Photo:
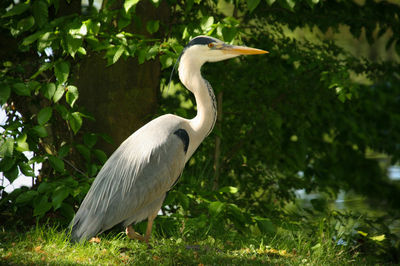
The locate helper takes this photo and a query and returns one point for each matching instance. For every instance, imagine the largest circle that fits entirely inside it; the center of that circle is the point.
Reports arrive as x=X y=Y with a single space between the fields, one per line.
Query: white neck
x=203 y=123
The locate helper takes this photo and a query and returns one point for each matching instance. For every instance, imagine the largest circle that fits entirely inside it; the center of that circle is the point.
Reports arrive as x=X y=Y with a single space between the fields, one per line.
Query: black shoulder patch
x=184 y=136
x=203 y=40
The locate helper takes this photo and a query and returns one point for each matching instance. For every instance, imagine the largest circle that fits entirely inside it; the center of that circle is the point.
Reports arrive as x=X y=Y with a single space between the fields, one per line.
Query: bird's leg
x=150 y=220
x=132 y=234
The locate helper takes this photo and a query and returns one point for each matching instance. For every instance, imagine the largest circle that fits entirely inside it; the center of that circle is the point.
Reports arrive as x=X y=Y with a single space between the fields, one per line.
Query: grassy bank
x=49 y=246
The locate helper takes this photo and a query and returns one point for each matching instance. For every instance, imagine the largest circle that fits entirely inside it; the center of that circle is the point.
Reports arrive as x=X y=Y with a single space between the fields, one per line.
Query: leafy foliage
x=311 y=115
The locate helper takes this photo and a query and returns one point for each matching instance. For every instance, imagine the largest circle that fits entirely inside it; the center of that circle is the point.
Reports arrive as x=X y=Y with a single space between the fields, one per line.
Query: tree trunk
x=123 y=96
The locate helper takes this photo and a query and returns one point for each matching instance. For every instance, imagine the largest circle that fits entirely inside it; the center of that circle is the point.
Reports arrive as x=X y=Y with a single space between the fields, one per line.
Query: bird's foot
x=134 y=235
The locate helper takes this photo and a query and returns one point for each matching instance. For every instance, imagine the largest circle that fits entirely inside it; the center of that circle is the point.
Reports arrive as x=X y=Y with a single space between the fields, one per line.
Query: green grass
x=48 y=246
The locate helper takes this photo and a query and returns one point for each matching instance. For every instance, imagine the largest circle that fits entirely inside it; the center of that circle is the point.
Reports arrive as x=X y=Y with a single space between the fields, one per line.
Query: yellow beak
x=232 y=49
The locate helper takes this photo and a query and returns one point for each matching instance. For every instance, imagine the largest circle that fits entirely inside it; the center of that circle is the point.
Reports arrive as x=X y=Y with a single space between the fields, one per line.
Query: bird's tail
x=84 y=226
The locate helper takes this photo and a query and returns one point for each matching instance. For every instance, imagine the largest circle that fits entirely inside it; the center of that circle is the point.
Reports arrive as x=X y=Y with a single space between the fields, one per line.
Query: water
x=350 y=202
x=394 y=172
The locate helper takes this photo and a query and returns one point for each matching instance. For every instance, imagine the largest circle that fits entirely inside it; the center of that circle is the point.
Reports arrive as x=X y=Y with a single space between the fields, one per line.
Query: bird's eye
x=210 y=45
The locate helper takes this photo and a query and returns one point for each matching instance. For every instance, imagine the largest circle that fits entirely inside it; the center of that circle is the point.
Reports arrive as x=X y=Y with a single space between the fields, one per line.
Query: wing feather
x=134 y=180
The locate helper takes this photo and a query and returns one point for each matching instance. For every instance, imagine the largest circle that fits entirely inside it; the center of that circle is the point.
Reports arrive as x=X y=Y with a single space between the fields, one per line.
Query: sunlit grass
x=51 y=246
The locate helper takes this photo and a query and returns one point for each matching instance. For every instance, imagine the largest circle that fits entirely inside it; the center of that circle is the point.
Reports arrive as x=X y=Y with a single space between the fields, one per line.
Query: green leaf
x=252 y=4
x=22 y=145
x=61 y=70
x=6 y=147
x=228 y=189
x=270 y=2
x=42 y=68
x=67 y=211
x=21 y=89
x=4 y=94
x=128 y=4
x=342 y=97
x=40 y=12
x=215 y=208
x=75 y=121
x=316 y=246
x=63 y=111
x=26 y=169
x=362 y=233
x=26 y=196
x=188 y=5
x=45 y=187
x=170 y=198
x=44 y=41
x=237 y=214
x=22 y=138
x=48 y=90
x=56 y=163
x=31 y=38
x=44 y=115
x=288 y=4
x=166 y=61
x=118 y=54
x=94 y=43
x=12 y=174
x=229 y=33
x=25 y=24
x=92 y=169
x=183 y=200
x=84 y=151
x=70 y=182
x=206 y=23
x=142 y=55
x=81 y=51
x=41 y=206
x=16 y=10
x=156 y=3
x=124 y=20
x=59 y=195
x=33 y=85
x=56 y=4
x=265 y=225
x=7 y=163
x=73 y=44
x=37 y=159
x=40 y=131
x=312 y=3
x=106 y=138
x=92 y=27
x=152 y=52
x=90 y=139
x=58 y=93
x=78 y=31
x=152 y=26
x=379 y=238
x=100 y=155
x=63 y=151
x=72 y=95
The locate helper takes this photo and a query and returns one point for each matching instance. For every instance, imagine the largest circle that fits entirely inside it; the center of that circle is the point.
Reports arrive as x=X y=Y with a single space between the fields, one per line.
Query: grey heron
x=132 y=184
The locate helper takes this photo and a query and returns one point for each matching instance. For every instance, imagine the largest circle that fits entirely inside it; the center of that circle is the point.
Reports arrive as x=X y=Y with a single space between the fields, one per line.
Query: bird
x=132 y=184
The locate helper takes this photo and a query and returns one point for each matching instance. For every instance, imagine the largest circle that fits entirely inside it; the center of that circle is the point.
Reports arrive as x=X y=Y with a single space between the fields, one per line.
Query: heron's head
x=202 y=49
x=208 y=49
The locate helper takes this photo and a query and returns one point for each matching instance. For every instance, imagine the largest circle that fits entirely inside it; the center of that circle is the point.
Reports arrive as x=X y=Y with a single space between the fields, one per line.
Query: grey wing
x=133 y=182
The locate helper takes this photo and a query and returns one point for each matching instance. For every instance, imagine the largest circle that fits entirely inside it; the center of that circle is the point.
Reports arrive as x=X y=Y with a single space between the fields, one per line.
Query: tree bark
x=123 y=96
